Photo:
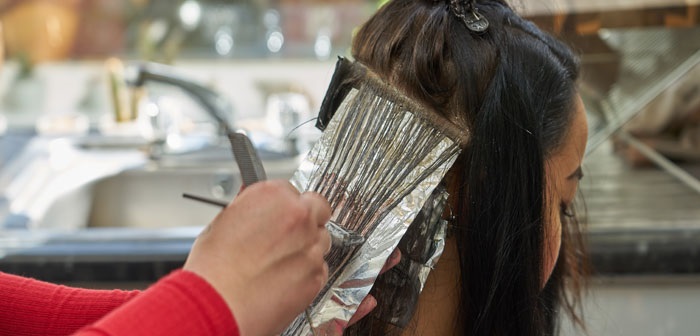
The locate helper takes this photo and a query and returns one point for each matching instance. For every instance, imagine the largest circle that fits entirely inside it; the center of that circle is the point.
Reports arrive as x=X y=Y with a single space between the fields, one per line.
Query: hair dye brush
x=380 y=157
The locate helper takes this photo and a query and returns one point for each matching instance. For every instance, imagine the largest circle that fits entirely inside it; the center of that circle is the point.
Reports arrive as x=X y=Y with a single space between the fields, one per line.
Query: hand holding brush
x=264 y=253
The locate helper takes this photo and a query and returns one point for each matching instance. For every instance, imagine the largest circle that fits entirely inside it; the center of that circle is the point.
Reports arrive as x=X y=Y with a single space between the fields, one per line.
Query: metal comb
x=247 y=159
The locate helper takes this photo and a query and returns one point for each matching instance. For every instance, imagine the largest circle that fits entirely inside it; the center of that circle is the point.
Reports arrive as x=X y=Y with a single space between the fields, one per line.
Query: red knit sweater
x=181 y=303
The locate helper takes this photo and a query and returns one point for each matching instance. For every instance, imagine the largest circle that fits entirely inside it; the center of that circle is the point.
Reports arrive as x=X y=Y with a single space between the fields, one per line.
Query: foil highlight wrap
x=421 y=248
x=377 y=164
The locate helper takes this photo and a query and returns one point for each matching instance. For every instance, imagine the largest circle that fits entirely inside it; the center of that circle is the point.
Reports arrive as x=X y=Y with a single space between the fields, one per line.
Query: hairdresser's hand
x=264 y=255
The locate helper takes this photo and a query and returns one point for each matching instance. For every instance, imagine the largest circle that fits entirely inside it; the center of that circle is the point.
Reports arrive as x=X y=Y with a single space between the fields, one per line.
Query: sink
x=152 y=197
x=56 y=184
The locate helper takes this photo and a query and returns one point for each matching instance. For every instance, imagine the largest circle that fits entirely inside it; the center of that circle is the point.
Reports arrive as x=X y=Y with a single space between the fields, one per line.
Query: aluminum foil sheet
x=421 y=248
x=354 y=269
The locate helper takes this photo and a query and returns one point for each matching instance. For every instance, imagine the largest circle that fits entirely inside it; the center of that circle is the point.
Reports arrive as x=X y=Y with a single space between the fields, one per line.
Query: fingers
x=270 y=185
x=365 y=307
x=270 y=239
x=325 y=240
x=392 y=261
x=284 y=184
x=319 y=207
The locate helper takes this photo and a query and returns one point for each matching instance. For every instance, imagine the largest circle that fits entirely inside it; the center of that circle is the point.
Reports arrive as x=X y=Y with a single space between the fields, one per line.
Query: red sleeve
x=180 y=304
x=32 y=307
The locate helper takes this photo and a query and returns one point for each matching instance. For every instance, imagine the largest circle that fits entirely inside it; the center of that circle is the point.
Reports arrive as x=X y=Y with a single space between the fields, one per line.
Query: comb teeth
x=249 y=164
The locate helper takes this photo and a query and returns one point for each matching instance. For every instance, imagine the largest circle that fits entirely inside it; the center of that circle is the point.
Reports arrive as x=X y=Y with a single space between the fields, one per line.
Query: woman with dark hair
x=514 y=256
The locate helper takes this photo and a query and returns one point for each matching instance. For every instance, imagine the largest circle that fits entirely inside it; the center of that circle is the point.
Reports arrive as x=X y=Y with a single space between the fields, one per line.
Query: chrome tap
x=220 y=110
x=214 y=104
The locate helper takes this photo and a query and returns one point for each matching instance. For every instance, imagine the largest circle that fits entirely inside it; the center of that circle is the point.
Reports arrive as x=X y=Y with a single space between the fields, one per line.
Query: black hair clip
x=467 y=11
x=475 y=21
x=338 y=88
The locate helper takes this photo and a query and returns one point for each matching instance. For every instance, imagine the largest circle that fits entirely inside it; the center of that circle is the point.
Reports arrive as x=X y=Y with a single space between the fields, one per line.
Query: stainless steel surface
x=652 y=60
x=618 y=197
x=57 y=183
x=103 y=244
x=647 y=306
x=150 y=198
x=48 y=184
x=661 y=161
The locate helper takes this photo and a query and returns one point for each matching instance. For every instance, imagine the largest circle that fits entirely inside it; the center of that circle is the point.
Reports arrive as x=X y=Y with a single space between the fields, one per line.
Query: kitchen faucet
x=213 y=103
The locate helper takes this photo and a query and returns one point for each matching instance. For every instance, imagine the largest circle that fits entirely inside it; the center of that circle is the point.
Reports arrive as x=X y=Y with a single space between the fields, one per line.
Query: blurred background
x=111 y=109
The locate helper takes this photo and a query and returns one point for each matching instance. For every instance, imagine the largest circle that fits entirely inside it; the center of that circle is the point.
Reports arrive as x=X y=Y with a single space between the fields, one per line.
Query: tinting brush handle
x=339 y=236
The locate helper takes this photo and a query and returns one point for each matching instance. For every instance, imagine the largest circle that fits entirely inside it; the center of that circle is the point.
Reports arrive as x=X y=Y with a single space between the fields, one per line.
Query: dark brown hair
x=513 y=88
